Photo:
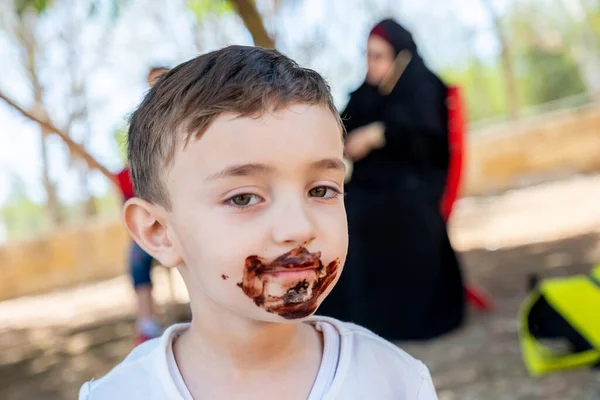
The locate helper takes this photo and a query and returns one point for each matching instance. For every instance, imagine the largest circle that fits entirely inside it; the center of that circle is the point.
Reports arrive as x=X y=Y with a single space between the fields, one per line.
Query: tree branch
x=75 y=148
x=246 y=9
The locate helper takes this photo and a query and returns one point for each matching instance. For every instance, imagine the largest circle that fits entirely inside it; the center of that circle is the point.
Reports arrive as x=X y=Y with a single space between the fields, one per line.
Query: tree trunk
x=52 y=203
x=79 y=117
x=89 y=206
x=26 y=37
x=512 y=92
x=588 y=56
x=247 y=11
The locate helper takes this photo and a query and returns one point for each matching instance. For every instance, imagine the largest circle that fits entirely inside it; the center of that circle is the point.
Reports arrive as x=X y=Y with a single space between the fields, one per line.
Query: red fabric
x=457 y=118
x=379 y=30
x=125 y=184
x=478 y=298
x=456 y=134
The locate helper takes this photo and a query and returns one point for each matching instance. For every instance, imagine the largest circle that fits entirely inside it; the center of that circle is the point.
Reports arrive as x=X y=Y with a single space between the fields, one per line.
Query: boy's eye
x=323 y=192
x=244 y=200
x=320 y=191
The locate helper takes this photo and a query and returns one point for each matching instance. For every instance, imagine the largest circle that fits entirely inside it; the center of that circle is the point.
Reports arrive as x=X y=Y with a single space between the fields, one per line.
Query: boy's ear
x=147 y=225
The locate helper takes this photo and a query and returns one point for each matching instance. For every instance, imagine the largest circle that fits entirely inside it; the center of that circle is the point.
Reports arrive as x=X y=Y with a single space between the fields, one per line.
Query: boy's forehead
x=293 y=133
x=302 y=127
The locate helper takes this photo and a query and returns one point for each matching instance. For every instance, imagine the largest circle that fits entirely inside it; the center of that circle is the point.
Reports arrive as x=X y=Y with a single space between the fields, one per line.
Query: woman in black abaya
x=402 y=279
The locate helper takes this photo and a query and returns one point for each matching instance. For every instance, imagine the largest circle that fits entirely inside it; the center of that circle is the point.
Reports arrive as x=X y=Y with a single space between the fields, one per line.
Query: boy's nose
x=293 y=225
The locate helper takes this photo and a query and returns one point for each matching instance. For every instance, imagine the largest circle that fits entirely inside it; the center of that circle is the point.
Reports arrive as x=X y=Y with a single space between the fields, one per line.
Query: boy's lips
x=298 y=268
x=294 y=273
x=296 y=260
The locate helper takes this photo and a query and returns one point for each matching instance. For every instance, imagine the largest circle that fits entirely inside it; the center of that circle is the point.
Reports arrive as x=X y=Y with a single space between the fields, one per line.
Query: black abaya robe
x=402 y=278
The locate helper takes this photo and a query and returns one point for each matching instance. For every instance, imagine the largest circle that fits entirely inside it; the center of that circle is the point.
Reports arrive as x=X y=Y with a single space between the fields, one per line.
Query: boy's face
x=261 y=187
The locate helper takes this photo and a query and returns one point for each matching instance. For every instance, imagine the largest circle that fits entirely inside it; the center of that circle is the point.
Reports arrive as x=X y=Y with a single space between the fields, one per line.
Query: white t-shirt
x=356 y=364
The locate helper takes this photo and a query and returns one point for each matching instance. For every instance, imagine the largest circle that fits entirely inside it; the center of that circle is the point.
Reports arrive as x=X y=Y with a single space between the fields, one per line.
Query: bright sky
x=115 y=89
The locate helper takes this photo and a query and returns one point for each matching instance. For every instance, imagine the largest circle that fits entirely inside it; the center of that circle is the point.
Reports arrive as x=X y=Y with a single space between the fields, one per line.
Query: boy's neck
x=223 y=355
x=259 y=360
x=248 y=343
x=244 y=342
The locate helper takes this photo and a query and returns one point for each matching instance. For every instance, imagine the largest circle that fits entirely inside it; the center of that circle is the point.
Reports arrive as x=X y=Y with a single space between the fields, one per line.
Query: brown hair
x=183 y=103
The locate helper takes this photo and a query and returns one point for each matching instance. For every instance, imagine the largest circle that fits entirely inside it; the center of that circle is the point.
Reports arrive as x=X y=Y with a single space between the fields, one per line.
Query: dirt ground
x=50 y=344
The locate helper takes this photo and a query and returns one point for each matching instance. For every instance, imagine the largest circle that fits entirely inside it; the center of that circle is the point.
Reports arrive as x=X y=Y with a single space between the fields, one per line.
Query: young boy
x=236 y=157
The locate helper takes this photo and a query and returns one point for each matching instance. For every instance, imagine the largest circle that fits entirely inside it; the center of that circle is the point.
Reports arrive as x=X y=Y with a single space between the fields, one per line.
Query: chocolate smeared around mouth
x=297 y=299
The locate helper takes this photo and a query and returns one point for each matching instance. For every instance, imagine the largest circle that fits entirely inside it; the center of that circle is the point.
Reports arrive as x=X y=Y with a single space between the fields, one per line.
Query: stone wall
x=91 y=253
x=544 y=147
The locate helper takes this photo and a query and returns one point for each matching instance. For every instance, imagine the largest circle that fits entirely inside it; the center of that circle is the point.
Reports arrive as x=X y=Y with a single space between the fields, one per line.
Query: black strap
x=595 y=280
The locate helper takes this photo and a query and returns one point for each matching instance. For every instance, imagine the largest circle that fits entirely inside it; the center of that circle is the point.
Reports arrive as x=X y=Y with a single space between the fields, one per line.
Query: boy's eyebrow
x=329 y=163
x=240 y=170
x=249 y=169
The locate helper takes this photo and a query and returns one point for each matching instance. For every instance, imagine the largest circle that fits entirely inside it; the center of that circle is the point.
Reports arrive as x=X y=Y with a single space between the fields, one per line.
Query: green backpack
x=566 y=308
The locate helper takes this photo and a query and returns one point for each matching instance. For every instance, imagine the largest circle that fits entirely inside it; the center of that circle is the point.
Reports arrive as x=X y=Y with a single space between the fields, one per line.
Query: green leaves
x=201 y=8
x=114 y=7
x=35 y=6
x=120 y=138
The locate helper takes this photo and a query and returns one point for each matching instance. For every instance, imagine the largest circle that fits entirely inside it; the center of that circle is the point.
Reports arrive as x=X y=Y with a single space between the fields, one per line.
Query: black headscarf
x=396 y=35
x=416 y=72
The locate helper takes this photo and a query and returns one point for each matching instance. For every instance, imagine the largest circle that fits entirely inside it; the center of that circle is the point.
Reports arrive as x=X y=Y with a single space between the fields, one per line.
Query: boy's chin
x=274 y=318
x=298 y=309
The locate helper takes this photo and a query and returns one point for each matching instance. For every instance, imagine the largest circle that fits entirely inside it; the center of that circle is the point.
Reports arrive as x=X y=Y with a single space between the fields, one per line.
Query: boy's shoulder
x=370 y=365
x=140 y=376
x=362 y=342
